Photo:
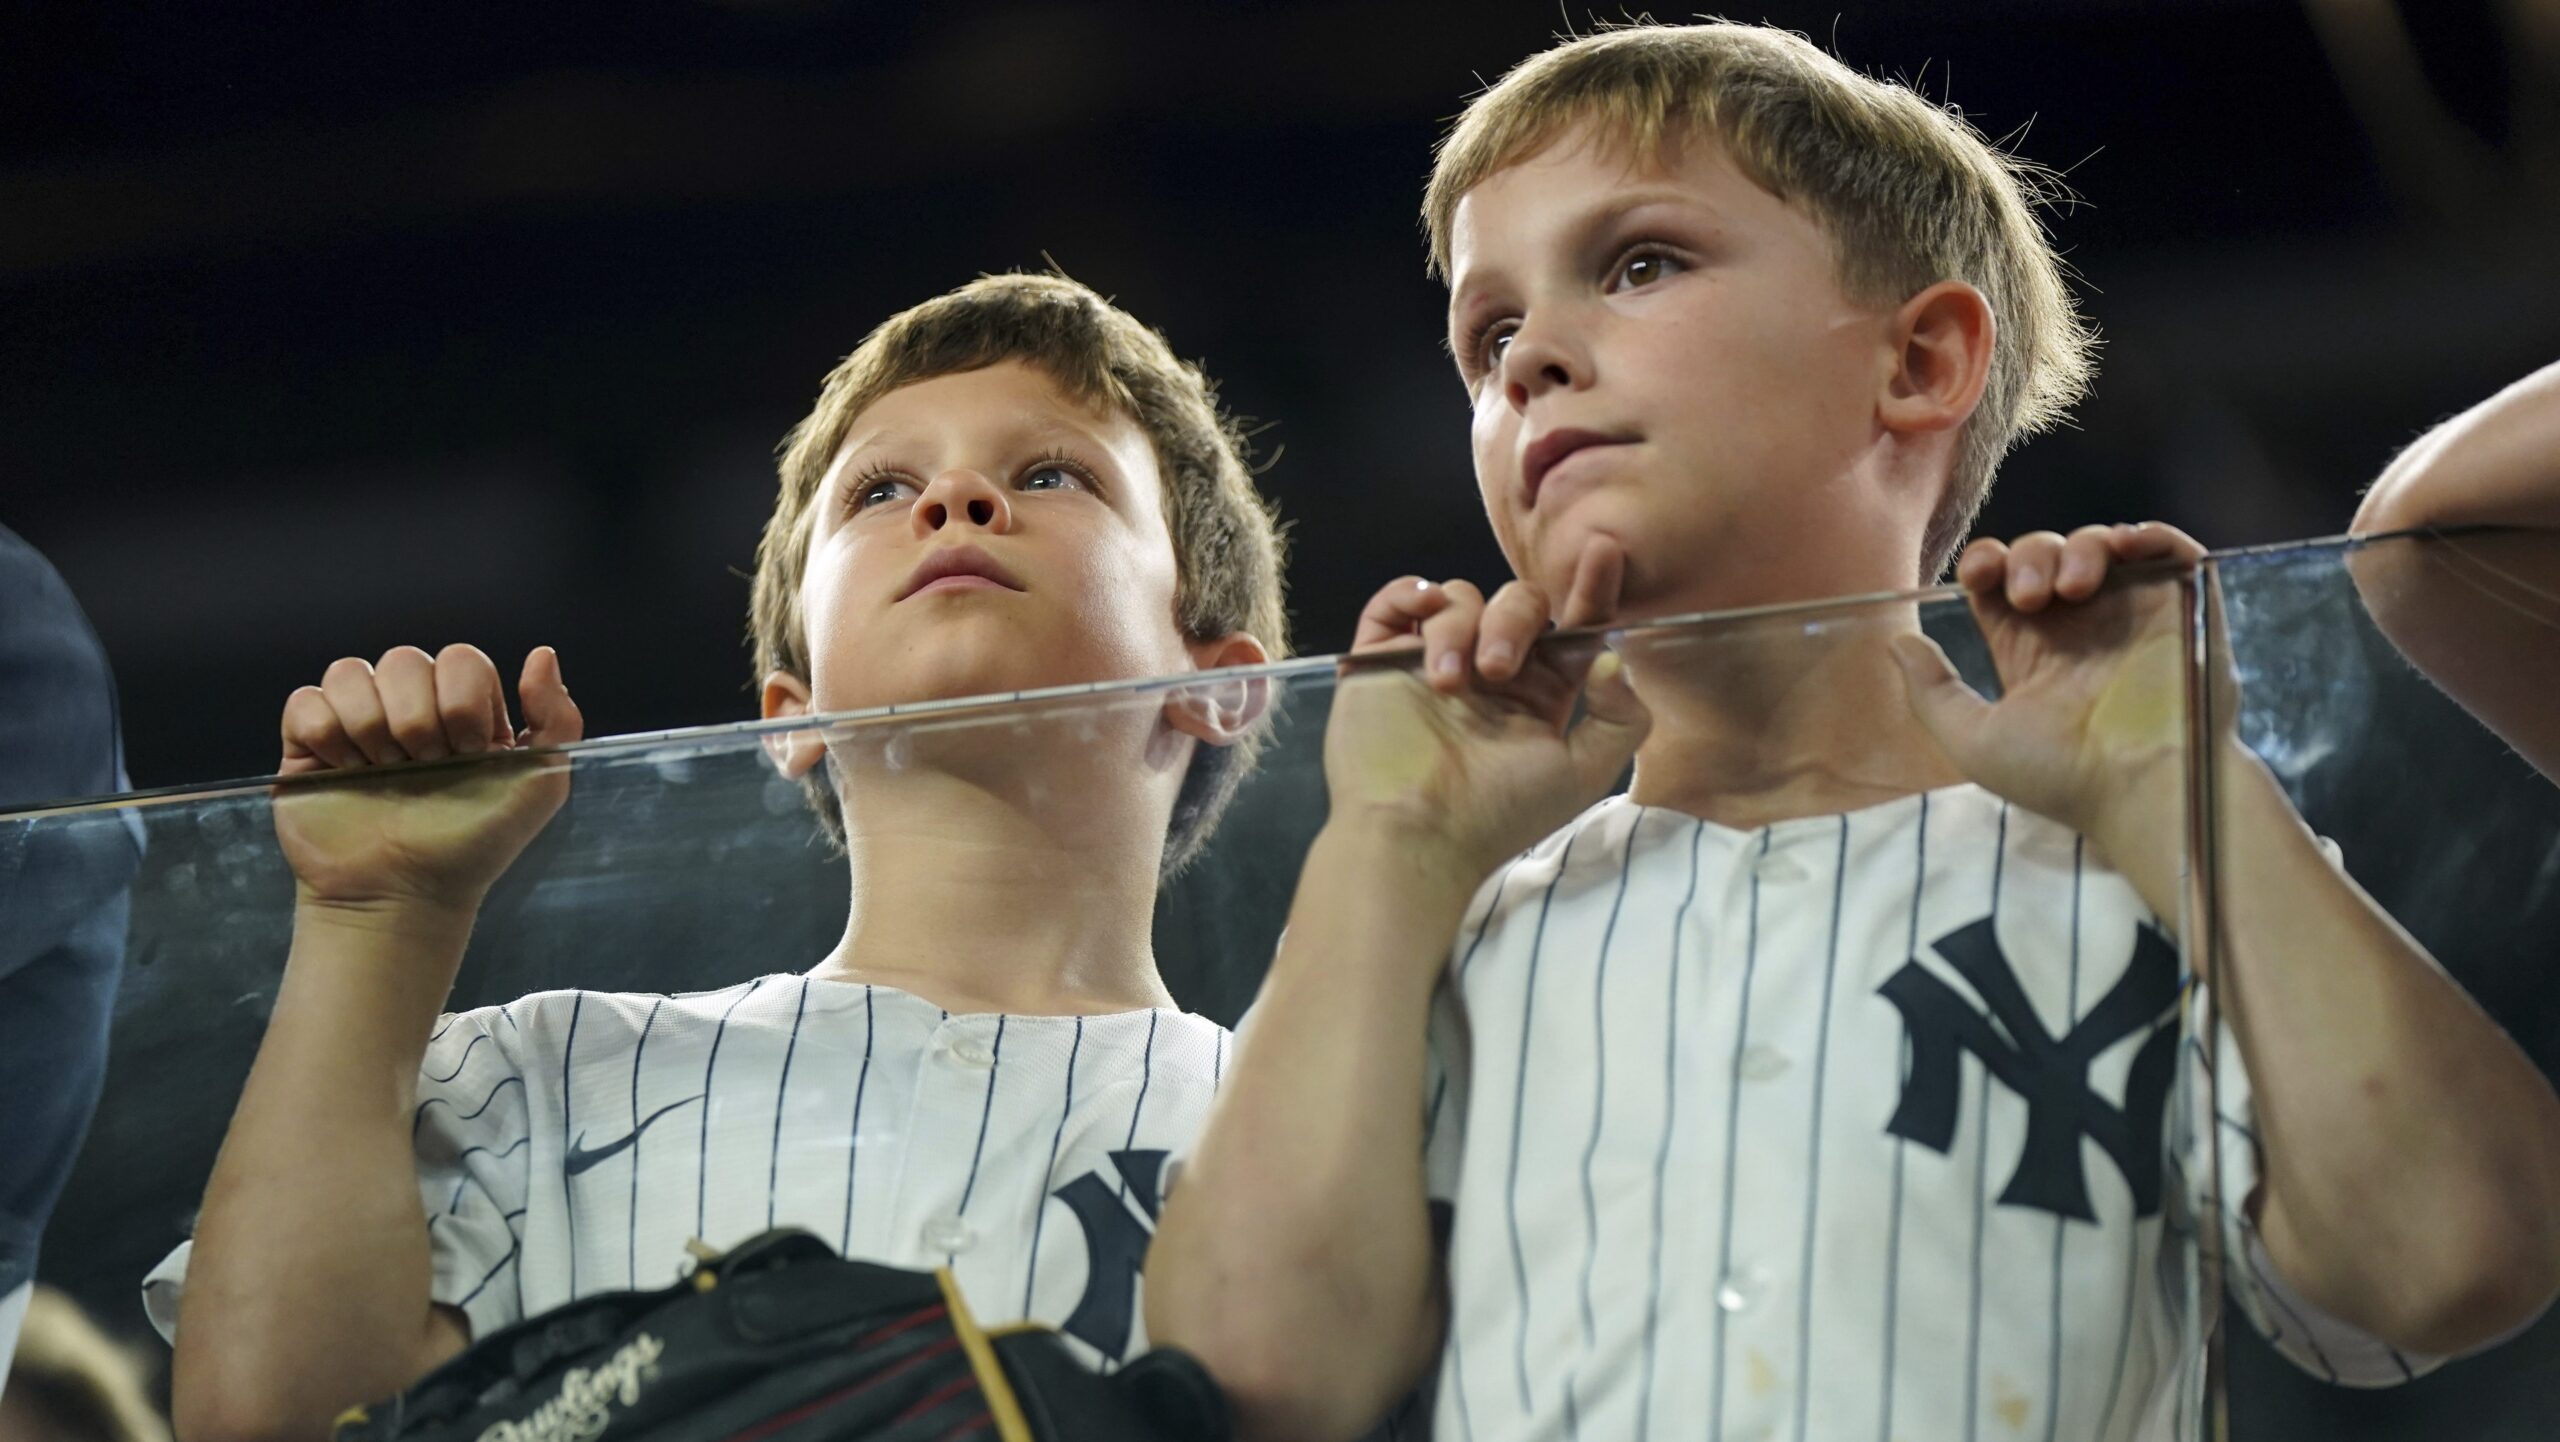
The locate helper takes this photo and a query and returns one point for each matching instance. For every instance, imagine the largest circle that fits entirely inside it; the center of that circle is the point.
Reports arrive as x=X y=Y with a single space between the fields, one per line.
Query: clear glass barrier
x=2348 y=663
x=1877 y=1074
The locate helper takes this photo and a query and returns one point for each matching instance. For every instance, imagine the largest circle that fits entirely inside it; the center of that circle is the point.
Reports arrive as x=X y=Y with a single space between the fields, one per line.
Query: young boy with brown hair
x=1819 y=1086
x=1010 y=487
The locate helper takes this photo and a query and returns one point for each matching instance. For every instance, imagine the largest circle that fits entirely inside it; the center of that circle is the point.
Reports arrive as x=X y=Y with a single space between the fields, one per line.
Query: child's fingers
x=1449 y=638
x=348 y=683
x=2154 y=541
x=1984 y=567
x=472 y=701
x=405 y=680
x=1397 y=611
x=313 y=738
x=2086 y=557
x=1599 y=576
x=550 y=717
x=2034 y=560
x=1513 y=622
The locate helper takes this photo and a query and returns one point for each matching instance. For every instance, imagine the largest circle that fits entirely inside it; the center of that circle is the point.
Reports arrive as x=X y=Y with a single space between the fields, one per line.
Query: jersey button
x=1741 y=1290
x=949 y=1234
x=1763 y=1063
x=971 y=1052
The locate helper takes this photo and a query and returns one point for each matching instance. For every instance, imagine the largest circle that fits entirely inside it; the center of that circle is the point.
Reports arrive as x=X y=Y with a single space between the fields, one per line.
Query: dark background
x=422 y=323
x=326 y=333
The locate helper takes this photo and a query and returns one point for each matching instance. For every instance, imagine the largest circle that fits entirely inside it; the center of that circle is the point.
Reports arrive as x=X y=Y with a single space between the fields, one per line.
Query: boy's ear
x=793 y=752
x=1219 y=712
x=1941 y=360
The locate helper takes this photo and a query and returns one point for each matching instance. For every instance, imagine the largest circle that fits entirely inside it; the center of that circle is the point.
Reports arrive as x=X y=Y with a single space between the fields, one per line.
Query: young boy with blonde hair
x=1818 y=1087
x=1010 y=487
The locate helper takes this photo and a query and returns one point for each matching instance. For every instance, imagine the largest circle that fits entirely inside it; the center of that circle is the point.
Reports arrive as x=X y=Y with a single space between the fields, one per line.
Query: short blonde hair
x=1909 y=192
x=1226 y=543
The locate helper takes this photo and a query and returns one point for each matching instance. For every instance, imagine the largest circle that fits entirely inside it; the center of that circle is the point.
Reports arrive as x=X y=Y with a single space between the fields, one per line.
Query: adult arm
x=2480 y=615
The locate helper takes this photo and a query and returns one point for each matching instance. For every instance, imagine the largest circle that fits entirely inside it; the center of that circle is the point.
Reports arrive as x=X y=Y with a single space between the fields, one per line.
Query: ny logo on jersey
x=1115 y=1246
x=2049 y=1073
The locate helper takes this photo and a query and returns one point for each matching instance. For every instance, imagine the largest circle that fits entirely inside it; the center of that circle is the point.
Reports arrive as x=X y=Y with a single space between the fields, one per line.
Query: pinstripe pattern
x=853 y=1140
x=1671 y=1024
x=1066 y=1110
x=1718 y=1354
x=860 y=1113
x=2070 y=1013
x=781 y=1093
x=631 y=1234
x=1732 y=1145
x=568 y=1118
x=1902 y=1072
x=1982 y=1181
x=1813 y=1143
x=1519 y=1102
x=1599 y=1111
x=702 y=1154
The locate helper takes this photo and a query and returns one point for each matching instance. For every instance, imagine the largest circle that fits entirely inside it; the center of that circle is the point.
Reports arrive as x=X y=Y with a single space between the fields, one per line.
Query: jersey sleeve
x=472 y=1137
x=1444 y=1097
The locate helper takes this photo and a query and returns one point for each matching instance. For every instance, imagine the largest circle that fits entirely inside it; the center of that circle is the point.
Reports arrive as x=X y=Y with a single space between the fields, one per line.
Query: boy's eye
x=1057 y=473
x=1490 y=343
x=1642 y=268
x=879 y=491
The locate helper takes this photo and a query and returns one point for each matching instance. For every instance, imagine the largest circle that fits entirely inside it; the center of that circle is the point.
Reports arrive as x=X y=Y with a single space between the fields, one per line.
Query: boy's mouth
x=1551 y=450
x=956 y=567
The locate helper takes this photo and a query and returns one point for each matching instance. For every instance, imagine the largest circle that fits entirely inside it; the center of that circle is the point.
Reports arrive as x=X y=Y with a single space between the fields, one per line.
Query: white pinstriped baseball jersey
x=571 y=1142
x=1856 y=1126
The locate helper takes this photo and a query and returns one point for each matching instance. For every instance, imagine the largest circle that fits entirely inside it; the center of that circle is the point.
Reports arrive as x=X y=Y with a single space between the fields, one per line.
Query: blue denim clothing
x=63 y=892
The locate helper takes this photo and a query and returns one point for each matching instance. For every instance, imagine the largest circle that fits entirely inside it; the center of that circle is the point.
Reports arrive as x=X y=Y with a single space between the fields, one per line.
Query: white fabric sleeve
x=472 y=1139
x=1444 y=1096
x=1180 y=1155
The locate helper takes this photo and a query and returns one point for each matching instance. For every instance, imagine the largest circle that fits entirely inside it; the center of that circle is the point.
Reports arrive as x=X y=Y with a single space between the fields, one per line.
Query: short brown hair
x=1910 y=193
x=1226 y=542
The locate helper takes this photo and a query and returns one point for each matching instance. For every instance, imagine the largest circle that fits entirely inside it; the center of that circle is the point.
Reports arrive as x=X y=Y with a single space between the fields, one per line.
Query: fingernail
x=2030 y=577
x=1446 y=663
x=1500 y=654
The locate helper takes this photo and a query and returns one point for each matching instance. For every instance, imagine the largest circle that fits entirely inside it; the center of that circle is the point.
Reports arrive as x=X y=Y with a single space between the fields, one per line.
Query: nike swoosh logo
x=580 y=1159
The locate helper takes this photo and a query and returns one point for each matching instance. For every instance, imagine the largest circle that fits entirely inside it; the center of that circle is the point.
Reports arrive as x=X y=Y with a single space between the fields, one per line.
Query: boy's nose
x=962 y=498
x=1535 y=362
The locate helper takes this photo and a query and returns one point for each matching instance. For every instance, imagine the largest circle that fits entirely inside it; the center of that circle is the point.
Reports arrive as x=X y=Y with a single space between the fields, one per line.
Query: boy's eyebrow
x=1581 y=227
x=856 y=442
x=1021 y=428
x=1618 y=205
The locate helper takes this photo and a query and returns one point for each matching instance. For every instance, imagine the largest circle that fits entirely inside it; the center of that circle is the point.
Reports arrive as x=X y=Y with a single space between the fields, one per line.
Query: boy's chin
x=956 y=677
